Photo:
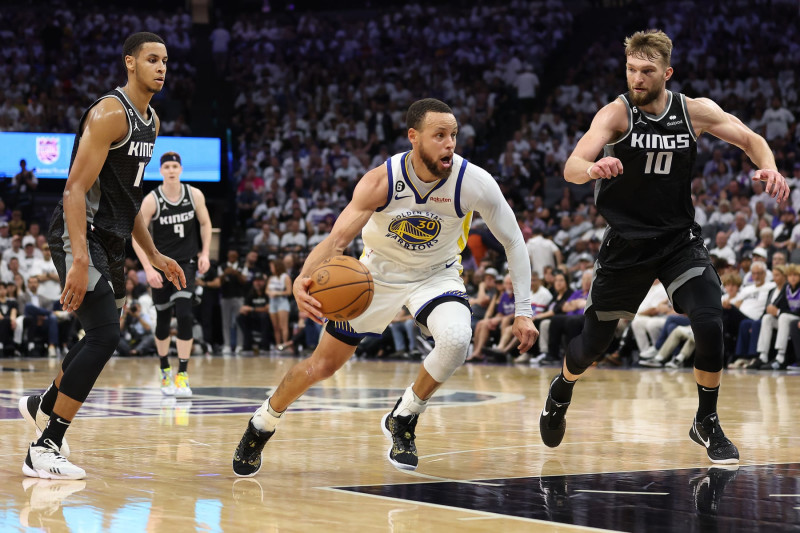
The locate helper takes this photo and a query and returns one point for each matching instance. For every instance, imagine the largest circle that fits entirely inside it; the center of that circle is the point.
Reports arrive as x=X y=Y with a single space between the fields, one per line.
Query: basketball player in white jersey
x=415 y=213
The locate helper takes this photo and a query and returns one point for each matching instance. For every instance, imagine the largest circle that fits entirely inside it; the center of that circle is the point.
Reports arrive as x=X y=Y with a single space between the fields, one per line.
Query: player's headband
x=170 y=156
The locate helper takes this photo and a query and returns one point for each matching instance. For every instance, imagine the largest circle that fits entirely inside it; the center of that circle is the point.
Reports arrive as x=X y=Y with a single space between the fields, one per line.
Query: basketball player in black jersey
x=642 y=189
x=99 y=211
x=178 y=218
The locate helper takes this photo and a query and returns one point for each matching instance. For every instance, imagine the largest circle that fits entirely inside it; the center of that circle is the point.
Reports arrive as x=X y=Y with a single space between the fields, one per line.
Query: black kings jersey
x=653 y=195
x=115 y=198
x=174 y=225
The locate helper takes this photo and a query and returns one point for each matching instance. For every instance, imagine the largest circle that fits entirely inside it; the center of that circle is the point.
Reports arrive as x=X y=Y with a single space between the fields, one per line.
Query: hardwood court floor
x=626 y=463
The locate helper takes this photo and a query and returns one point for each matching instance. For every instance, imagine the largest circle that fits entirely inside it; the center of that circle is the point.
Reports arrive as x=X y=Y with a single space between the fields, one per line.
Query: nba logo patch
x=48 y=149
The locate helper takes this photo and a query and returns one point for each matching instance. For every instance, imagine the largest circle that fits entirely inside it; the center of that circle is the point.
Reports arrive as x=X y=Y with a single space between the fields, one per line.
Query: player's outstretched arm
x=106 y=124
x=486 y=198
x=370 y=194
x=707 y=116
x=608 y=124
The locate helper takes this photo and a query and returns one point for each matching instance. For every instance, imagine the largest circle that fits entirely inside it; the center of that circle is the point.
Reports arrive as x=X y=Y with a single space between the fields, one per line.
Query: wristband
x=589 y=171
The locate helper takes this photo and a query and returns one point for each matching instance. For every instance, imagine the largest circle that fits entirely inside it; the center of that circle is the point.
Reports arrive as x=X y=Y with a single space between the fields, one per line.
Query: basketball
x=344 y=287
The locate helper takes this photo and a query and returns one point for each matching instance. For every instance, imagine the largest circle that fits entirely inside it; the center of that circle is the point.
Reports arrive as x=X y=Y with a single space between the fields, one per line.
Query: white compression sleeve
x=485 y=197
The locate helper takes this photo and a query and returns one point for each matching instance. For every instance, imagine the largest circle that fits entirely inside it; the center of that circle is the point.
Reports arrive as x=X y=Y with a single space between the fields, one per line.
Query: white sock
x=410 y=404
x=266 y=418
x=780 y=357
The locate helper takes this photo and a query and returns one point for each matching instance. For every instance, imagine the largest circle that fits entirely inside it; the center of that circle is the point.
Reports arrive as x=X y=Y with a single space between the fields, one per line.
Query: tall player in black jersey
x=99 y=211
x=643 y=191
x=178 y=217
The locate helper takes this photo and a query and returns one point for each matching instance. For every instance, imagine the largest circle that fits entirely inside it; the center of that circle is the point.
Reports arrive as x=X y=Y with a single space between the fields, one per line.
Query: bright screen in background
x=48 y=155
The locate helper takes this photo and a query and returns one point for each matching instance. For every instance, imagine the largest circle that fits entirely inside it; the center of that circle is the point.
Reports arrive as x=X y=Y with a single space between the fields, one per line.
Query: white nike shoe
x=29 y=408
x=46 y=462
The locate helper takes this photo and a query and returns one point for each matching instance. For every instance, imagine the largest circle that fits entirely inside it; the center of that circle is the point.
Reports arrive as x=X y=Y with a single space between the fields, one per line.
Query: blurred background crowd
x=307 y=100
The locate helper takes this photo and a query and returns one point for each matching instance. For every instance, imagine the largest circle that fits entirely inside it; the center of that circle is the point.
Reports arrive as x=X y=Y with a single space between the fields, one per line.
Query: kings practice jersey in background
x=174 y=225
x=653 y=195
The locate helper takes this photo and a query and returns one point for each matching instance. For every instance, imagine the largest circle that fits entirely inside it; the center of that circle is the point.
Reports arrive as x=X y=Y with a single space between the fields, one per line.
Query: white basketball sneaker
x=167 y=388
x=182 y=389
x=29 y=408
x=46 y=462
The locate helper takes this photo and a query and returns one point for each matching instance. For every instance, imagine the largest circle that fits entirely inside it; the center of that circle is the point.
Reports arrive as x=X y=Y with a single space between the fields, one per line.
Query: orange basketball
x=344 y=287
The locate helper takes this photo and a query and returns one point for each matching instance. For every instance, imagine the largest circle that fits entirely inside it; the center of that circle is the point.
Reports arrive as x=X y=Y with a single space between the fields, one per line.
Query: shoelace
x=50 y=447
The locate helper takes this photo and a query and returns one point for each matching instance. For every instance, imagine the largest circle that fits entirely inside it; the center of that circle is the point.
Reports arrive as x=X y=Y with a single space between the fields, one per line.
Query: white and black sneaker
x=47 y=462
x=709 y=434
x=29 y=408
x=46 y=497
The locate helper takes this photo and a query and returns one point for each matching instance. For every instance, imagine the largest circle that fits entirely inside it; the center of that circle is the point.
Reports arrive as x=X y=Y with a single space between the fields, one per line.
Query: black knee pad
x=183 y=311
x=163 y=320
x=591 y=344
x=88 y=362
x=709 y=351
x=700 y=299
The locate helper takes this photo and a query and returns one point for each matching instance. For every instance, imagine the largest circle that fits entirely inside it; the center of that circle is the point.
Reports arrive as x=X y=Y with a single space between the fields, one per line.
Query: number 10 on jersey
x=662 y=160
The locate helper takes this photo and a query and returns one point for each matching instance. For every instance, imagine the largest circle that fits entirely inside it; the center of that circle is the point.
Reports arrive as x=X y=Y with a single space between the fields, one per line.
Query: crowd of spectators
x=318 y=99
x=53 y=64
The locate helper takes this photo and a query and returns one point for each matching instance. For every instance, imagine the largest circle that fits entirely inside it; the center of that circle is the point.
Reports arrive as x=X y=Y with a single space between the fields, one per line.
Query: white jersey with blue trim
x=423 y=227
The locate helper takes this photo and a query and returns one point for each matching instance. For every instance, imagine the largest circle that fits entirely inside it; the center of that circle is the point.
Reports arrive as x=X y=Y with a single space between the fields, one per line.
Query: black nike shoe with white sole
x=709 y=434
x=552 y=422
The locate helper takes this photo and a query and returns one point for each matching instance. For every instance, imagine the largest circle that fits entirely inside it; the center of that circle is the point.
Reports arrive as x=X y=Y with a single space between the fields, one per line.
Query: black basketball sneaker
x=247 y=458
x=709 y=434
x=400 y=430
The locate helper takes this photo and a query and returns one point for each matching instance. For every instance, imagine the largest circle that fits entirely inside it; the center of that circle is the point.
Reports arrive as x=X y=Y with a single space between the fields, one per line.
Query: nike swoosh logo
x=707 y=390
x=451 y=264
x=544 y=412
x=706 y=442
x=401 y=197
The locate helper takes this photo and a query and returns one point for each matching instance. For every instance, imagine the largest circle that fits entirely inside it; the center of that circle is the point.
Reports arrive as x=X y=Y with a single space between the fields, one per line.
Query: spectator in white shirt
x=722 y=250
x=777 y=120
x=543 y=252
x=742 y=232
x=293 y=240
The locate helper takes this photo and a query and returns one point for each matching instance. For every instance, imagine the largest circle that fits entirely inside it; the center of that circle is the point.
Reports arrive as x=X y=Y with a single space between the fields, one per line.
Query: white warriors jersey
x=423 y=227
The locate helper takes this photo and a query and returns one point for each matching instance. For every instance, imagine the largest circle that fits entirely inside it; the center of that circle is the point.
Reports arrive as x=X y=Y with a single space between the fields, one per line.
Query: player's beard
x=433 y=165
x=642 y=99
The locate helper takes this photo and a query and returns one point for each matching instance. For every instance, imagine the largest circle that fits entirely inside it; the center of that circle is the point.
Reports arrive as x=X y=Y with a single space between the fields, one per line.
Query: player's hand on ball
x=305 y=302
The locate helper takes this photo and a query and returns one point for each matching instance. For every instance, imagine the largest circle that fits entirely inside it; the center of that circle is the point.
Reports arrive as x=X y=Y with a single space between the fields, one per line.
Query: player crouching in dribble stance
x=415 y=212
